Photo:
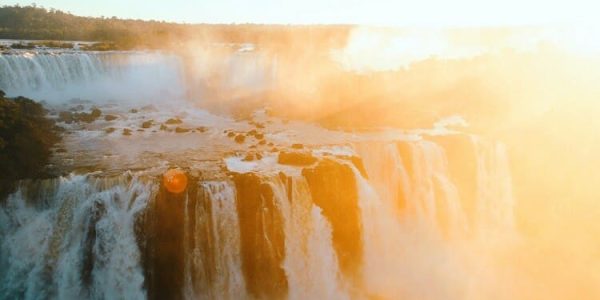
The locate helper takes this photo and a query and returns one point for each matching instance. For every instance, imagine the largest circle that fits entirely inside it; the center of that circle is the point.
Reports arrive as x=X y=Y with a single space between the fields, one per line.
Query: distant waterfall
x=97 y=76
x=73 y=237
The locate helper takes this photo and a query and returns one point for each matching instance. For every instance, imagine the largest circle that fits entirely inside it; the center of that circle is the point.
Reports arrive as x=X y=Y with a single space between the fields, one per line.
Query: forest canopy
x=37 y=23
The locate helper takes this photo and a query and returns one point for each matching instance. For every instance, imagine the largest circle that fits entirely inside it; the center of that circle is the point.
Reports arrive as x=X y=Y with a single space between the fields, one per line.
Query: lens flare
x=175 y=181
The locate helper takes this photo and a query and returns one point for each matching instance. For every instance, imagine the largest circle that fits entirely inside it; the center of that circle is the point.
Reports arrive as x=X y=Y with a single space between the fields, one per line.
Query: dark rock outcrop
x=333 y=188
x=173 y=121
x=262 y=238
x=181 y=130
x=110 y=118
x=147 y=124
x=296 y=158
x=240 y=139
x=163 y=253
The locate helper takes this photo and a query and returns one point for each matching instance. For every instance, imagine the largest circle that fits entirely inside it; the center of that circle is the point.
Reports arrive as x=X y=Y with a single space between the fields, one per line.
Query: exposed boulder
x=147 y=124
x=296 y=158
x=173 y=121
x=65 y=116
x=240 y=139
x=110 y=118
x=181 y=130
x=126 y=131
x=96 y=113
x=297 y=146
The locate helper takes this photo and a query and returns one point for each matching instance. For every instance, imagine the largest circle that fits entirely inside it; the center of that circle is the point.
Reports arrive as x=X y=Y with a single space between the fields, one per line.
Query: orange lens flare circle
x=175 y=181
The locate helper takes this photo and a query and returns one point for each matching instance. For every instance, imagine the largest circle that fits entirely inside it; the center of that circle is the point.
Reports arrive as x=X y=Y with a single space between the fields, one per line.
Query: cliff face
x=163 y=250
x=262 y=237
x=333 y=188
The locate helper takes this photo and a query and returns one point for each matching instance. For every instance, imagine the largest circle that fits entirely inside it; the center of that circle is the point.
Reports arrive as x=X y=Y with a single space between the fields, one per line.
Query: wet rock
x=262 y=238
x=181 y=130
x=296 y=158
x=297 y=146
x=173 y=121
x=110 y=118
x=96 y=113
x=65 y=116
x=147 y=124
x=164 y=250
x=334 y=189
x=240 y=139
x=85 y=117
x=77 y=108
x=252 y=156
x=357 y=162
x=126 y=131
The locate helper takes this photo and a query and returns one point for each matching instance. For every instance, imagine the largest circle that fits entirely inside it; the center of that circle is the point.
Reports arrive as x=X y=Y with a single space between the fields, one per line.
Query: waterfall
x=72 y=238
x=97 y=76
x=224 y=244
x=418 y=241
x=310 y=262
x=426 y=194
x=496 y=200
x=414 y=223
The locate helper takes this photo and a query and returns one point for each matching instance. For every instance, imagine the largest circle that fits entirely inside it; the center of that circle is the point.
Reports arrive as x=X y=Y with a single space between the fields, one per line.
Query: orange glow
x=175 y=181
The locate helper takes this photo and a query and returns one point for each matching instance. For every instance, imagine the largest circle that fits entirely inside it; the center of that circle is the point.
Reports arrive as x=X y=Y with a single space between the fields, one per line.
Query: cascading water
x=56 y=77
x=216 y=206
x=414 y=175
x=403 y=219
x=310 y=262
x=73 y=237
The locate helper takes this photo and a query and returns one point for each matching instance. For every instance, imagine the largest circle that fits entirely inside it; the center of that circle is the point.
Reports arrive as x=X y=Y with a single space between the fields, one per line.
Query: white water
x=408 y=253
x=138 y=77
x=225 y=233
x=45 y=239
x=310 y=262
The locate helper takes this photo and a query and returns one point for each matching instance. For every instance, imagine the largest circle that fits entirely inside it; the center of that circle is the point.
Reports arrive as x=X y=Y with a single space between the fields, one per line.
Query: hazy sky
x=438 y=13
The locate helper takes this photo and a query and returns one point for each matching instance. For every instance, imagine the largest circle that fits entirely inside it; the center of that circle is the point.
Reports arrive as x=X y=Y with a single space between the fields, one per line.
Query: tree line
x=38 y=23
